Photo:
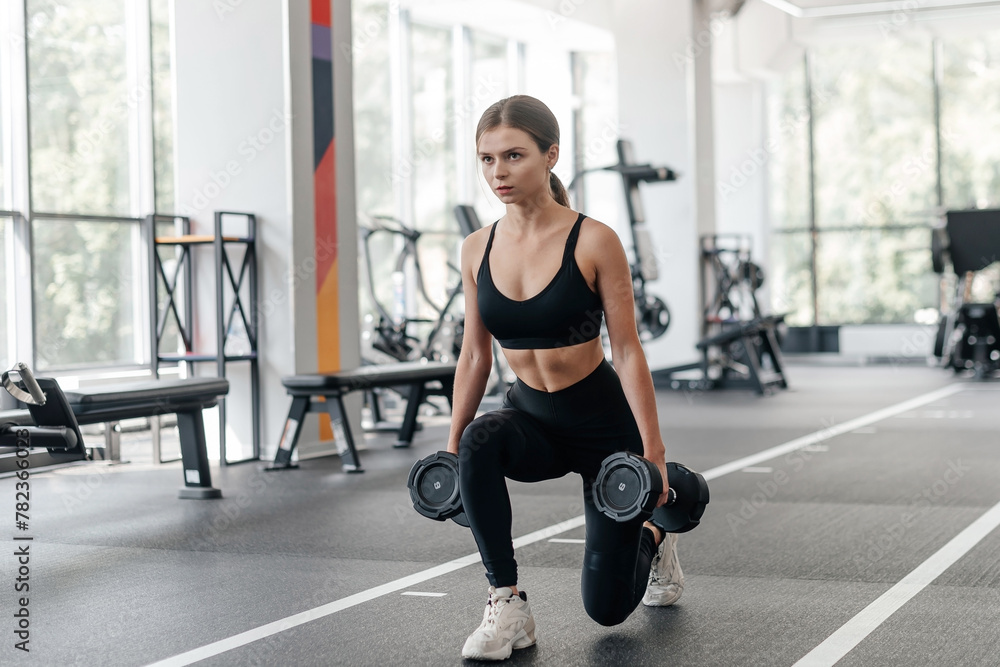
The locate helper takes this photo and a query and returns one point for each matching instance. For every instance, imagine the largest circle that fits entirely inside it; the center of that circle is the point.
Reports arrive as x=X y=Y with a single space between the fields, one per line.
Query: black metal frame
x=228 y=286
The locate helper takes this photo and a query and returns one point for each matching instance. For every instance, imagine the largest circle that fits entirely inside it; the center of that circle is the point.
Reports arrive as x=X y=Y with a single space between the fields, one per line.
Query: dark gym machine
x=739 y=345
x=652 y=313
x=47 y=423
x=968 y=336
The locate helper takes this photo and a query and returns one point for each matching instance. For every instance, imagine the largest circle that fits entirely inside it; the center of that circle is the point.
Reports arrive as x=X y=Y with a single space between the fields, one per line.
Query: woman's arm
x=614 y=285
x=475 y=361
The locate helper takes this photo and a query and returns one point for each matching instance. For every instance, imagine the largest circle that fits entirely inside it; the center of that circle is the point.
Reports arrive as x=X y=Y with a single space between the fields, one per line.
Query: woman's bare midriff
x=551 y=370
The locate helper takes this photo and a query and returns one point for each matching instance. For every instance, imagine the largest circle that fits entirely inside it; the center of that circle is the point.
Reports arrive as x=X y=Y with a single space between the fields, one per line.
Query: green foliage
x=83 y=293
x=876 y=172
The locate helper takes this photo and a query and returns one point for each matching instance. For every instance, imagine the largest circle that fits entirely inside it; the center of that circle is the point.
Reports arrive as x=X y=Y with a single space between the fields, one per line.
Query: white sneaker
x=666 y=581
x=507 y=625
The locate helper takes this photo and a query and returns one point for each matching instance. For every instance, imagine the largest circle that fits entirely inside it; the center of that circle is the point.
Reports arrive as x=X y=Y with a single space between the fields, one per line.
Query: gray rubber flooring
x=791 y=549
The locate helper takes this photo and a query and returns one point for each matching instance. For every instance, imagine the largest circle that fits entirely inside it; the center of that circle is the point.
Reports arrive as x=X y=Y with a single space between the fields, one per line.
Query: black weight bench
x=184 y=397
x=411 y=377
x=112 y=403
x=755 y=340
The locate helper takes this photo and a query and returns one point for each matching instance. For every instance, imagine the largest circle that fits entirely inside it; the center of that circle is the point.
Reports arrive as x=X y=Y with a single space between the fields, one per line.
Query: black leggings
x=538 y=435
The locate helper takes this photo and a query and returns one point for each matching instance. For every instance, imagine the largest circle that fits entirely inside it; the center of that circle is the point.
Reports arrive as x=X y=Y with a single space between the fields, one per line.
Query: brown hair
x=530 y=115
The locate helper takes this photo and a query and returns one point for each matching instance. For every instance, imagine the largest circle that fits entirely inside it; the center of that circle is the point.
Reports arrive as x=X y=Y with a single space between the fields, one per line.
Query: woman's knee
x=483 y=438
x=606 y=612
x=606 y=585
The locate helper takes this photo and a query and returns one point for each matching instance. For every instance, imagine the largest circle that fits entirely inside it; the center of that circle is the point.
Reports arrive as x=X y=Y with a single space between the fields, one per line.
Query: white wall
x=655 y=111
x=244 y=142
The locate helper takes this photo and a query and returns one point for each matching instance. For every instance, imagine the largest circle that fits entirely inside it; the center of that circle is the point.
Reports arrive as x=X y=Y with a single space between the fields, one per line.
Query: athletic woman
x=540 y=280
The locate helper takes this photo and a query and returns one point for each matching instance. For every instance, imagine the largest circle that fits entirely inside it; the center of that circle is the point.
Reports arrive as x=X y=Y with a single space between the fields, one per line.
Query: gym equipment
x=627 y=486
x=968 y=335
x=433 y=485
x=739 y=345
x=391 y=334
x=652 y=314
x=63 y=413
x=55 y=428
x=975 y=340
x=324 y=392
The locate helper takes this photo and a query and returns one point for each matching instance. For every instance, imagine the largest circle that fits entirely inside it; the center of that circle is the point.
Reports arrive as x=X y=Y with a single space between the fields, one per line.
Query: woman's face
x=515 y=169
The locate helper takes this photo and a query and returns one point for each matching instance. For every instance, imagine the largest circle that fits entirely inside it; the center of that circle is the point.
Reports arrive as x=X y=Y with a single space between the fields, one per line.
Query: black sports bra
x=567 y=312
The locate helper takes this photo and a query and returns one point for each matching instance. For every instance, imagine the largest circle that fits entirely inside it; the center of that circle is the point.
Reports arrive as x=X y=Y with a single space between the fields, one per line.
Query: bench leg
x=194 y=453
x=417 y=394
x=290 y=436
x=342 y=434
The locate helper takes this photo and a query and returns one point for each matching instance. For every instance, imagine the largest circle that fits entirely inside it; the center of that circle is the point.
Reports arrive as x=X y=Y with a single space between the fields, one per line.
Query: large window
x=433 y=181
x=373 y=166
x=855 y=184
x=488 y=84
x=79 y=106
x=970 y=122
x=4 y=318
x=80 y=168
x=85 y=282
x=163 y=99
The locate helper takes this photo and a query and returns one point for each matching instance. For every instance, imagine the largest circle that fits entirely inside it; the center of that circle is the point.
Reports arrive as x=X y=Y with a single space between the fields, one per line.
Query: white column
x=655 y=53
x=244 y=143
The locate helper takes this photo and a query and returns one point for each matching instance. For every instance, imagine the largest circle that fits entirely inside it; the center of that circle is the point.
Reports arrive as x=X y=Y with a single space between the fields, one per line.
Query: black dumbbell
x=433 y=484
x=628 y=486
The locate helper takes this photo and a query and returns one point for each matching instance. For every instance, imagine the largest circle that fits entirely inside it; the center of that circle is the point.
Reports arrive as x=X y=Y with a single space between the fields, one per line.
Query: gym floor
x=853 y=518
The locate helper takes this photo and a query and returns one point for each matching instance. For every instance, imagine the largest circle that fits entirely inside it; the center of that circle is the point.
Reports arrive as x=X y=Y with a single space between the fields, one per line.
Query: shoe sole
x=661 y=600
x=521 y=640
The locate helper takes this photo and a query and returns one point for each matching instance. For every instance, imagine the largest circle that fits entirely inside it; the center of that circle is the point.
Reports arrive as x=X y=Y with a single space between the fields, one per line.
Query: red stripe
x=321 y=12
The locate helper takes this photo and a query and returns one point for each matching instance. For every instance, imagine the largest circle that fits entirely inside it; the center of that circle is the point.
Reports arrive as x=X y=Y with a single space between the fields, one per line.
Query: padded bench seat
x=184 y=397
x=412 y=376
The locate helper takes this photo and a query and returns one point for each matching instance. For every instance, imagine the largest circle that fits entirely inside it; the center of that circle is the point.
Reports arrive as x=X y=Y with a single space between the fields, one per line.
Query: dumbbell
x=433 y=484
x=627 y=486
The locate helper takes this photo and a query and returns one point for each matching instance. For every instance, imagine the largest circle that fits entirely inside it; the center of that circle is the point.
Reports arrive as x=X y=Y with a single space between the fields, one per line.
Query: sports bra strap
x=493 y=230
x=574 y=234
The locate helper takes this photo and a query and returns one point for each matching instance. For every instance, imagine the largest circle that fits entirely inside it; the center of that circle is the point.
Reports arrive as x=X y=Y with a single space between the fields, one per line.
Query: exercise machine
x=968 y=336
x=652 y=313
x=740 y=345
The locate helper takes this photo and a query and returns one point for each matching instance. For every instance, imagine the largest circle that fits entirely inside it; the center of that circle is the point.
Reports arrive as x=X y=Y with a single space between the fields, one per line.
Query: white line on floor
x=831 y=432
x=841 y=642
x=758 y=469
x=260 y=632
x=283 y=624
x=567 y=540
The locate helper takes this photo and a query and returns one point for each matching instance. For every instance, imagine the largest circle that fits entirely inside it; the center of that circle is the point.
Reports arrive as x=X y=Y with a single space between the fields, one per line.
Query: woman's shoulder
x=595 y=234
x=474 y=245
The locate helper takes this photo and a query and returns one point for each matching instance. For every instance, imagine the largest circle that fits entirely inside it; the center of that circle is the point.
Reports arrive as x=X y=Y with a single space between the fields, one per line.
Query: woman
x=568 y=409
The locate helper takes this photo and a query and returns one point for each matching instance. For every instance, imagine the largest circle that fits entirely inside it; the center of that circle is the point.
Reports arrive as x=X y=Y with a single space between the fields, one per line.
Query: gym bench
x=324 y=392
x=184 y=397
x=112 y=403
x=744 y=352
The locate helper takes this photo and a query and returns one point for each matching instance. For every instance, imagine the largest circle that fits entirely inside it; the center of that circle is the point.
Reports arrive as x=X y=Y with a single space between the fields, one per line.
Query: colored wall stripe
x=325 y=196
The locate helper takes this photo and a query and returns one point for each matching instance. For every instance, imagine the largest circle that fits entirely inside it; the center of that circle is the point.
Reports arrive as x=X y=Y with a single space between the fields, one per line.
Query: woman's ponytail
x=558 y=190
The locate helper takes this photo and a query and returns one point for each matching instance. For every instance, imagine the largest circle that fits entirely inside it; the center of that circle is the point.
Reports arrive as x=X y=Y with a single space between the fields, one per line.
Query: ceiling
x=848 y=8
